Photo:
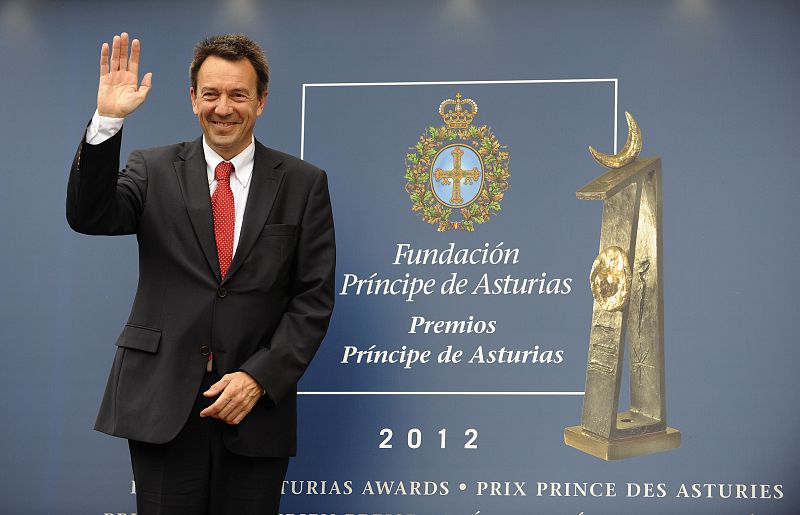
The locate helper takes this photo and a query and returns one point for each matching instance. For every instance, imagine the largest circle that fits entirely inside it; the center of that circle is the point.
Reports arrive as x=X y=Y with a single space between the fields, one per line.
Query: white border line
x=616 y=92
x=440 y=83
x=517 y=394
x=444 y=83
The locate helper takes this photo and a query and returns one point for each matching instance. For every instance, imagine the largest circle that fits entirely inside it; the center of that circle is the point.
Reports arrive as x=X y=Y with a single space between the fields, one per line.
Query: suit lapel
x=264 y=185
x=192 y=176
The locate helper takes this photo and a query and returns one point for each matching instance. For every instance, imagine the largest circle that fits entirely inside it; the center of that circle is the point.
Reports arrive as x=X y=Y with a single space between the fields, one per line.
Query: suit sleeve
x=279 y=367
x=100 y=198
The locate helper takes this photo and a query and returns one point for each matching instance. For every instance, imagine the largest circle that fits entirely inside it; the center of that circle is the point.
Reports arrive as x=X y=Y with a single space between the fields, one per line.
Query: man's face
x=226 y=103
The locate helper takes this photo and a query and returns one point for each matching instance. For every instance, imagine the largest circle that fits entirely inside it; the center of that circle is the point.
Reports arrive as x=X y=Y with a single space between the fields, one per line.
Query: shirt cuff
x=102 y=128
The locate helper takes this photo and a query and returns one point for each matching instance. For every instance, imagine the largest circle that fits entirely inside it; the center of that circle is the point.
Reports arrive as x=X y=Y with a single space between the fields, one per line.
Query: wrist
x=113 y=116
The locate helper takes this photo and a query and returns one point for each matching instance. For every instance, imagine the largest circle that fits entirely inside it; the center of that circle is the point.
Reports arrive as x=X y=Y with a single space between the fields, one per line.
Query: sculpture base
x=622 y=448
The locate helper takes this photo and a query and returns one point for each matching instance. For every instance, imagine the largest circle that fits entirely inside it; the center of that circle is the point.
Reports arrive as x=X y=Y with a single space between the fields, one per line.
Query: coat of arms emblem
x=458 y=173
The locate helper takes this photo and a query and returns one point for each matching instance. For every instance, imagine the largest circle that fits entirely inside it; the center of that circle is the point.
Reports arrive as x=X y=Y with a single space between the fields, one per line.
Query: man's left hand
x=238 y=393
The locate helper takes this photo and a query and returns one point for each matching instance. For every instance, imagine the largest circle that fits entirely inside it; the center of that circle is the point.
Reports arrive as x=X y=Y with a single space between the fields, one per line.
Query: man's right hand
x=119 y=93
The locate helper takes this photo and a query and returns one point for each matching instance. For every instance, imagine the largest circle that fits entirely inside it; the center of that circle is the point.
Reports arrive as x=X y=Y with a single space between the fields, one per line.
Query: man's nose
x=223 y=106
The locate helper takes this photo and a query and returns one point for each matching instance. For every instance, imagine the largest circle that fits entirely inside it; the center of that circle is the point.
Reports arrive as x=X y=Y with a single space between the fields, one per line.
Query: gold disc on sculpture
x=611 y=279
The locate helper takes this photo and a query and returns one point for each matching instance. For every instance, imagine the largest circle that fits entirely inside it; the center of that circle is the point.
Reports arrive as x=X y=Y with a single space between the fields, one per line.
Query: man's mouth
x=223 y=125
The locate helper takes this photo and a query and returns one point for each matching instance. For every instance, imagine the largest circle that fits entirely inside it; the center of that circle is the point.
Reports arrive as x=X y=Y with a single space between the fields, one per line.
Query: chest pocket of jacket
x=270 y=259
x=140 y=338
x=278 y=237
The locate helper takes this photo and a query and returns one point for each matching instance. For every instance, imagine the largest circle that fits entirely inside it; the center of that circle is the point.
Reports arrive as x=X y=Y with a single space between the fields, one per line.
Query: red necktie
x=224 y=215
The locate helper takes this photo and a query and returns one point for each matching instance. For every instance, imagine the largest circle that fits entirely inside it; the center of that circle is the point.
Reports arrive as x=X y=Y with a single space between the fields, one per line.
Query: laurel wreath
x=495 y=170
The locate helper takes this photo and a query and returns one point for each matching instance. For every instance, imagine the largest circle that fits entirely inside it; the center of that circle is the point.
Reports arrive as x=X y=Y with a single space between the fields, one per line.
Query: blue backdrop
x=713 y=86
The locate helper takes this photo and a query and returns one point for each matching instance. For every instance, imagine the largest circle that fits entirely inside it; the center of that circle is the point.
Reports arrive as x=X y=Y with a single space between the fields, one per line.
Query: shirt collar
x=242 y=162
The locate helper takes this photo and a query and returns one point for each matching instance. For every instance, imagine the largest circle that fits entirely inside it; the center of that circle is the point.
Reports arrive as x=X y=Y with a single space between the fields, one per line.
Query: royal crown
x=454 y=114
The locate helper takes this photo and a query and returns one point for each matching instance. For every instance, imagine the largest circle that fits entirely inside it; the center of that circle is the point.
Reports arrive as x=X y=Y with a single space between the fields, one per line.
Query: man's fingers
x=147 y=82
x=133 y=64
x=217 y=387
x=123 y=51
x=227 y=410
x=235 y=402
x=119 y=55
x=215 y=408
x=104 y=59
x=234 y=412
x=115 y=54
x=142 y=92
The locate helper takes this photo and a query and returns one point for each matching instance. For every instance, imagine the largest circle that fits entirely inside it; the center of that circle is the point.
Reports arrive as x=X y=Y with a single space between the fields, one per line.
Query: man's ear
x=193 y=97
x=261 y=103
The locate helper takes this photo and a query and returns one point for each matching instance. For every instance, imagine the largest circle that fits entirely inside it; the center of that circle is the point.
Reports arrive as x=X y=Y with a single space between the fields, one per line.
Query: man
x=236 y=266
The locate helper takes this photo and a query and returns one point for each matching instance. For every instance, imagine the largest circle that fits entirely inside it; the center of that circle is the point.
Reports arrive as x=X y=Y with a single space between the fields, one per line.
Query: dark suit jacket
x=266 y=318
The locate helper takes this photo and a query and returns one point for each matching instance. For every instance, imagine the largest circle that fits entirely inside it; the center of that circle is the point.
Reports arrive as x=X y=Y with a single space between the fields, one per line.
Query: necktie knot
x=223 y=171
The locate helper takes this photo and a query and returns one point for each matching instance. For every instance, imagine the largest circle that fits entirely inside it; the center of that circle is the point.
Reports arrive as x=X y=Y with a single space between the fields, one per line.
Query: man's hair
x=232 y=47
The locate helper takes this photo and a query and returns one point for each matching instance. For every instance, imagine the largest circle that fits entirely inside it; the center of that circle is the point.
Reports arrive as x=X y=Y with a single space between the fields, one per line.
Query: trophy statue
x=626 y=281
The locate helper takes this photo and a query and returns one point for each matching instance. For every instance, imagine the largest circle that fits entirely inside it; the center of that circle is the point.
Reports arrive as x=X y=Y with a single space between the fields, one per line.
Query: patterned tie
x=224 y=215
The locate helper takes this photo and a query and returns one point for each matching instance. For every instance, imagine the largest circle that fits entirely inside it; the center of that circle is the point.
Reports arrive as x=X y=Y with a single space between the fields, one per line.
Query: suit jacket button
x=222 y=293
x=204 y=350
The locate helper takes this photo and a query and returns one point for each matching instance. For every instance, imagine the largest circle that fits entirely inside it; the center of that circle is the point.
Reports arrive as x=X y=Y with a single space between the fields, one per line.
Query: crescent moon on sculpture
x=633 y=145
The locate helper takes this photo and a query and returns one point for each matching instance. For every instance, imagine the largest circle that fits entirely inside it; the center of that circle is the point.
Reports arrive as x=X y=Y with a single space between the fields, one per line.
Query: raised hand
x=119 y=93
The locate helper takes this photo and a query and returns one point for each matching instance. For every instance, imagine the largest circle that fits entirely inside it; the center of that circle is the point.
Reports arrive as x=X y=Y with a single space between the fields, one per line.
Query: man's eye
x=209 y=96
